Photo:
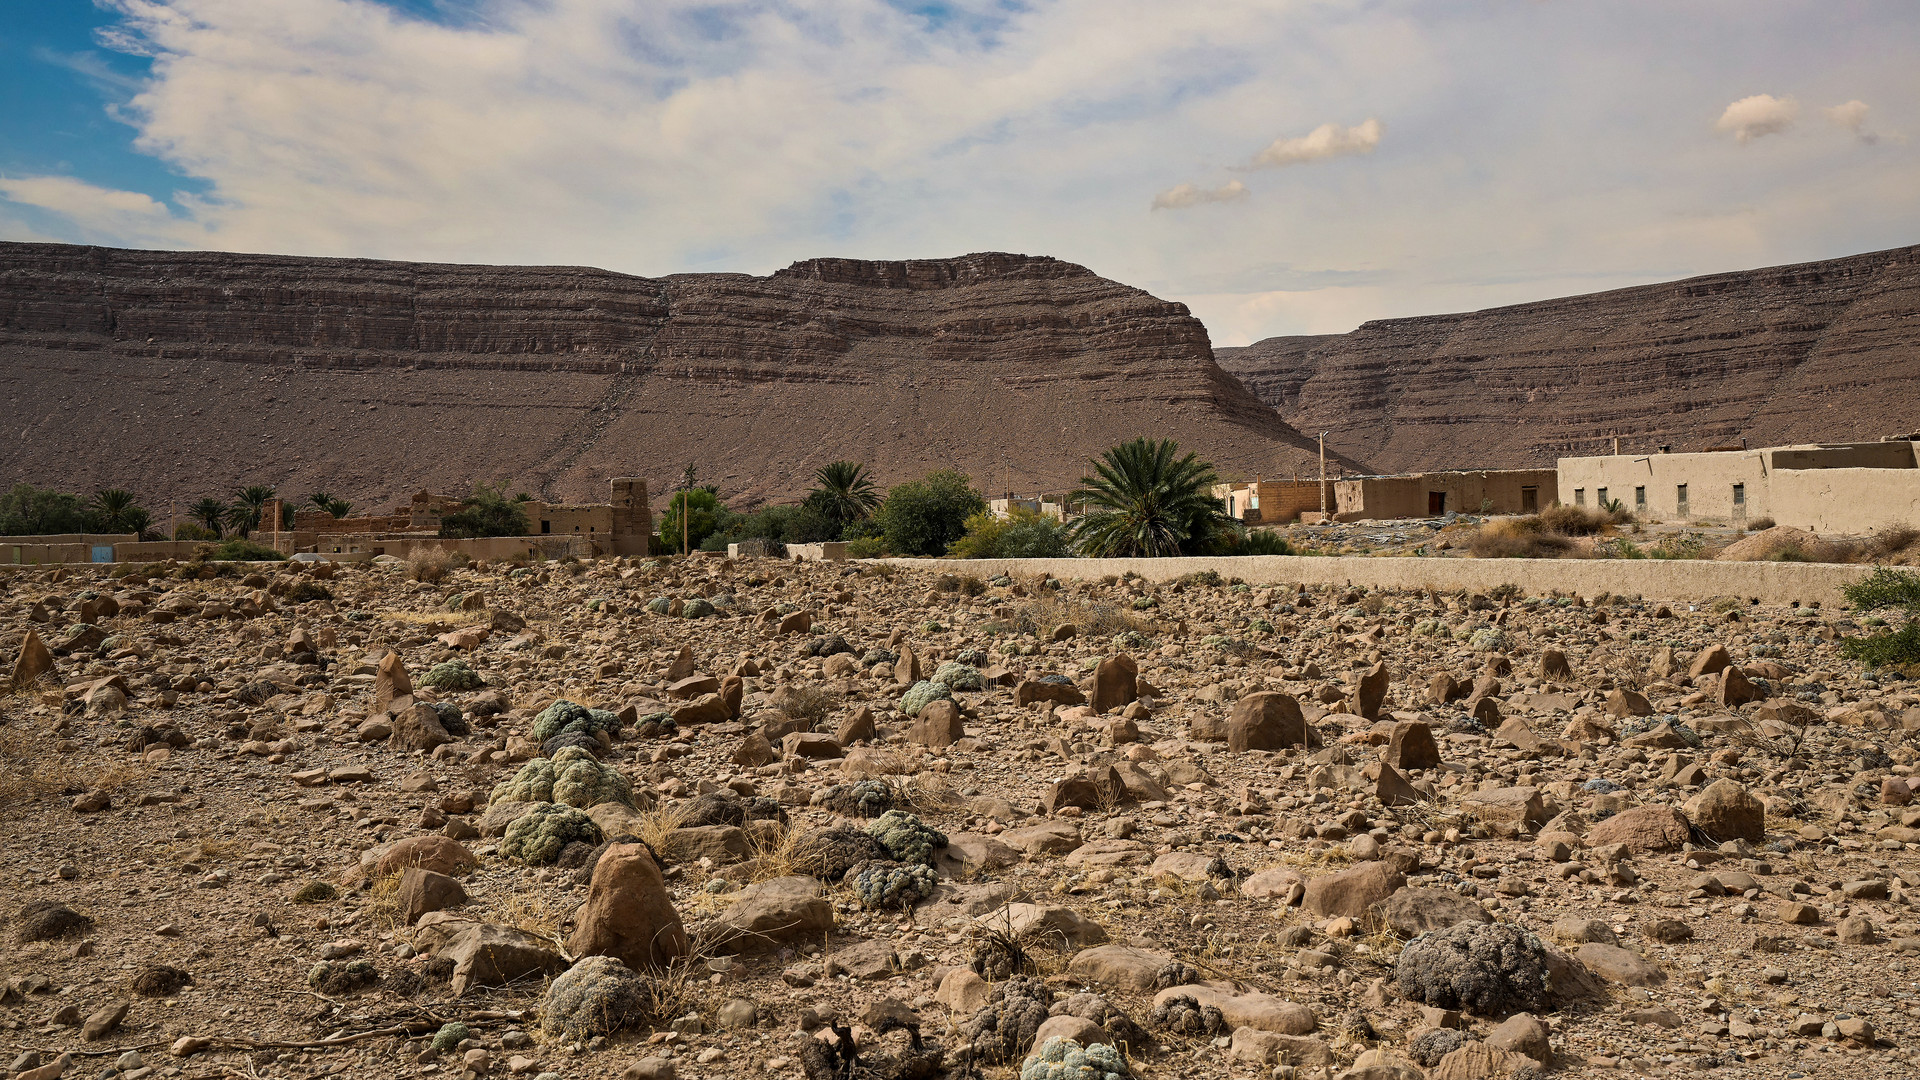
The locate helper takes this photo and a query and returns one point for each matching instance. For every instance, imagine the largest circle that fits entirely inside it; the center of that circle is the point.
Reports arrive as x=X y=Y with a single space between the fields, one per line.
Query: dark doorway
x=1436 y=503
x=1529 y=500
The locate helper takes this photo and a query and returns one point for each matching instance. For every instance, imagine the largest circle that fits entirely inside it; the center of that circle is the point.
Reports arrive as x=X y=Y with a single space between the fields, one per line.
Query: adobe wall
x=1898 y=454
x=1406 y=496
x=1709 y=477
x=1655 y=579
x=1845 y=500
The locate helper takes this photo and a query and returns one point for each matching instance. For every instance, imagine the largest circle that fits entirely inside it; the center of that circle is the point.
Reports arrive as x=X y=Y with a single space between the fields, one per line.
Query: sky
x=1282 y=167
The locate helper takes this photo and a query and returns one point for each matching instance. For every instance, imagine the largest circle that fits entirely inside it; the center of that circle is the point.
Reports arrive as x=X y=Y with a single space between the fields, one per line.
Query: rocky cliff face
x=181 y=374
x=1821 y=351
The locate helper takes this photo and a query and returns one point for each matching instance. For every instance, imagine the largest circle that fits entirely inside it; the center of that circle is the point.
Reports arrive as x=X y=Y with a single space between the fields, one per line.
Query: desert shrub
x=571 y=777
x=1184 y=1015
x=829 y=853
x=1580 y=521
x=906 y=838
x=926 y=516
x=452 y=675
x=1517 y=538
x=488 y=512
x=1485 y=968
x=1760 y=524
x=1883 y=589
x=538 y=836
x=330 y=977
x=597 y=996
x=806 y=702
x=187 y=530
x=238 y=549
x=868 y=547
x=45 y=920
x=921 y=694
x=1894 y=539
x=1023 y=534
x=1258 y=542
x=959 y=677
x=563 y=717
x=1064 y=1059
x=884 y=883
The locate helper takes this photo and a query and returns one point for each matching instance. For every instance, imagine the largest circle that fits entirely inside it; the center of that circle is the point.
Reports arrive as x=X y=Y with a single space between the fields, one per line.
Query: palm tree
x=211 y=513
x=1145 y=502
x=136 y=520
x=843 y=492
x=339 y=508
x=245 y=512
x=322 y=500
x=110 y=509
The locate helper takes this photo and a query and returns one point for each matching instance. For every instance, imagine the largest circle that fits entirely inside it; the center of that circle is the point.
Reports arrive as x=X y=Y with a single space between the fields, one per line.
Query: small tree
x=244 y=514
x=1887 y=589
x=1145 y=501
x=1022 y=534
x=924 y=516
x=486 y=512
x=703 y=513
x=843 y=493
x=211 y=513
x=26 y=510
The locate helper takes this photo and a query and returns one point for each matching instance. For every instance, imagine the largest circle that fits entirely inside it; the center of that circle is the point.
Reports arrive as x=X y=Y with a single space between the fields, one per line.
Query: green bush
x=703 y=512
x=778 y=525
x=26 y=510
x=1022 y=534
x=925 y=516
x=240 y=549
x=488 y=512
x=1886 y=588
x=867 y=547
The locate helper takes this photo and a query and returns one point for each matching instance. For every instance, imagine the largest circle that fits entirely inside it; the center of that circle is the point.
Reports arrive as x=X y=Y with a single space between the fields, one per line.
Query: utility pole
x=1323 y=477
x=686 y=503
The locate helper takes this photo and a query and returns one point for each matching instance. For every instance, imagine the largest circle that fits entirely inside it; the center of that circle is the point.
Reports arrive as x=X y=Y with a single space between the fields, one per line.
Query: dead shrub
x=1760 y=524
x=432 y=565
x=1518 y=538
x=1578 y=520
x=1894 y=539
x=810 y=703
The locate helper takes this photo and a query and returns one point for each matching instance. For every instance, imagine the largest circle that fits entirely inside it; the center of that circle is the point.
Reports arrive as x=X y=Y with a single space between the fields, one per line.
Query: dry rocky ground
x=1369 y=835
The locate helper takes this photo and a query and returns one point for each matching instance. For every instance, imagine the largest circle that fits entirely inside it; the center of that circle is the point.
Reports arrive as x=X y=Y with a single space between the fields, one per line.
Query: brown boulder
x=1115 y=683
x=1268 y=720
x=938 y=725
x=1089 y=791
x=1033 y=690
x=629 y=914
x=1371 y=692
x=1353 y=892
x=1711 y=661
x=1411 y=746
x=1726 y=811
x=1642 y=829
x=390 y=681
x=1622 y=702
x=35 y=660
x=1553 y=665
x=428 y=852
x=418 y=728
x=1736 y=689
x=422 y=891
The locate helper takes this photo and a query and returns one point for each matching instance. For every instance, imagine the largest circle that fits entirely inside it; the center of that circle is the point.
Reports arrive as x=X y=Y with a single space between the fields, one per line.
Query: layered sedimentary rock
x=1820 y=351
x=180 y=374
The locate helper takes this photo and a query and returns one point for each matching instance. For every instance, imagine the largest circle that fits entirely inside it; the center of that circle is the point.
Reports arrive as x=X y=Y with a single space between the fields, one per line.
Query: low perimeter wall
x=1655 y=579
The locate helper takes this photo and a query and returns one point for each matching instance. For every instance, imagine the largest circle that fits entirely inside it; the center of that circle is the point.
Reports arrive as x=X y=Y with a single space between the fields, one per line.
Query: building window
x=1600 y=499
x=1680 y=498
x=1579 y=496
x=1739 y=494
x=1640 y=499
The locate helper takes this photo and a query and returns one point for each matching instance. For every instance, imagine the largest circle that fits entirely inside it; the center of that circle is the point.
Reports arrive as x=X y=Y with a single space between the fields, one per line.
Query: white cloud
x=1757 y=116
x=1852 y=115
x=663 y=136
x=1325 y=141
x=1181 y=196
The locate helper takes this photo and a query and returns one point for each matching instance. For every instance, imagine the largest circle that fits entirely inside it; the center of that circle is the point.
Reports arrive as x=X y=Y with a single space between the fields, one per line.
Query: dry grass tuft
x=432 y=565
x=1518 y=538
x=1099 y=620
x=30 y=769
